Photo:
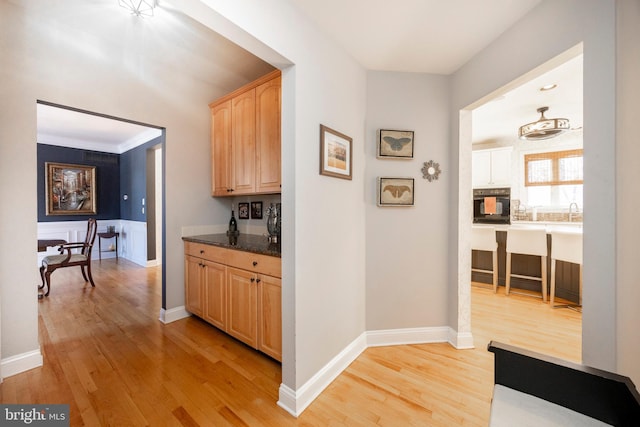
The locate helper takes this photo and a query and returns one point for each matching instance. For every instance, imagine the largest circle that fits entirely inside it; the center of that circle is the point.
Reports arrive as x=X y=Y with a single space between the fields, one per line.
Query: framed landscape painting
x=70 y=189
x=335 y=153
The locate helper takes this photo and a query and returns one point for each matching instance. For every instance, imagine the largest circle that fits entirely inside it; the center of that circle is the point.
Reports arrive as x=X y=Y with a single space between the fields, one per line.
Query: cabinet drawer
x=208 y=252
x=262 y=264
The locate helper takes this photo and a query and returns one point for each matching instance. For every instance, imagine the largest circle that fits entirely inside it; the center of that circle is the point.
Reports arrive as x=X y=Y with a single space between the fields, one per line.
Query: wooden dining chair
x=70 y=258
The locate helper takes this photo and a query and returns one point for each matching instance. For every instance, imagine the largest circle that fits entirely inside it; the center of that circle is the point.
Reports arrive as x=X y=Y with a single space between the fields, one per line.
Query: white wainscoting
x=132 y=243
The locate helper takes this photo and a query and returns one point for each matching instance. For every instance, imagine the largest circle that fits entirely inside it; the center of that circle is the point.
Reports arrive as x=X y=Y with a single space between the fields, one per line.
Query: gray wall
x=406 y=246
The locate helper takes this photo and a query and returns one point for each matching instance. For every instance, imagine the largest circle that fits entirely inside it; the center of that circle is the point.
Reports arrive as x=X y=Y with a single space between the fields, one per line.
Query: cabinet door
x=242 y=306
x=268 y=137
x=194 y=299
x=481 y=168
x=221 y=176
x=270 y=316
x=501 y=167
x=215 y=293
x=243 y=134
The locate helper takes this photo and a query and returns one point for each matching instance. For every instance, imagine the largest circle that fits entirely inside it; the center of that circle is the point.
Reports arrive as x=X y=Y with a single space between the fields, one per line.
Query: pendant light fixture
x=544 y=128
x=139 y=7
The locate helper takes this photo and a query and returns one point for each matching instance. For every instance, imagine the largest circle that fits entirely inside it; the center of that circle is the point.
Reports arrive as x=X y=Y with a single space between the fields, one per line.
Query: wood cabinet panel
x=246 y=139
x=255 y=263
x=193 y=285
x=207 y=252
x=221 y=176
x=242 y=306
x=270 y=316
x=243 y=136
x=215 y=294
x=268 y=151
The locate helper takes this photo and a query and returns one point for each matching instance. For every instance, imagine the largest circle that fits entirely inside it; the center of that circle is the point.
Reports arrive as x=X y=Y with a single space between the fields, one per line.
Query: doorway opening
x=127 y=156
x=492 y=125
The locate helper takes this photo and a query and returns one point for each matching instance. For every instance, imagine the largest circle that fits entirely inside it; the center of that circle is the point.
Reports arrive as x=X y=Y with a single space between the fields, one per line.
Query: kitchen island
x=567 y=274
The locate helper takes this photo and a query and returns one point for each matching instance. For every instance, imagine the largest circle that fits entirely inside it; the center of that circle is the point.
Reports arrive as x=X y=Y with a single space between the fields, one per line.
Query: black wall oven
x=492 y=206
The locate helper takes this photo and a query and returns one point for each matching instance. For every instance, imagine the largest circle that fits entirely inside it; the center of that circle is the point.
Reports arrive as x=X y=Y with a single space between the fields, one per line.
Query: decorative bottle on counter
x=233 y=232
x=233 y=225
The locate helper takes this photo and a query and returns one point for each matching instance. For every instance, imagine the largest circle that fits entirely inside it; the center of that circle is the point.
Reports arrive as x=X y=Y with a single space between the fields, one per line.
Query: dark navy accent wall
x=133 y=181
x=107 y=180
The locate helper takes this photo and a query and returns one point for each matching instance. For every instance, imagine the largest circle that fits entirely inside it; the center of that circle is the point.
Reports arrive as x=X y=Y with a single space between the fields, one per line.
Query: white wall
x=566 y=23
x=406 y=246
x=627 y=178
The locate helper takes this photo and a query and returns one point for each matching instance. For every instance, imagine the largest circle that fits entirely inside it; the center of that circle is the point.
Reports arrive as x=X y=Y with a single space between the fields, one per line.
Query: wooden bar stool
x=527 y=241
x=484 y=239
x=565 y=246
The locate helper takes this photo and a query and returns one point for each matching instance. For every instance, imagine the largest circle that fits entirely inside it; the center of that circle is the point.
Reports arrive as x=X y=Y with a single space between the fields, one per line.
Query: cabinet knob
x=257 y=280
x=255 y=263
x=201 y=251
x=253 y=279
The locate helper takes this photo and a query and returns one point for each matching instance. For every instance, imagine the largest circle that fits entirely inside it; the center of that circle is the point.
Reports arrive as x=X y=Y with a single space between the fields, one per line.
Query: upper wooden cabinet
x=245 y=139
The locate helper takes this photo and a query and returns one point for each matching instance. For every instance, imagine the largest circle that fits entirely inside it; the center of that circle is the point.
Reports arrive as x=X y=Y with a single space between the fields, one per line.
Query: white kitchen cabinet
x=491 y=168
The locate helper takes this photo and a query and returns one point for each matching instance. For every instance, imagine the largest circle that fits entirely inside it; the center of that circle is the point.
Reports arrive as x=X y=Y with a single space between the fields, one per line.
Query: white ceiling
x=425 y=36
x=69 y=128
x=429 y=36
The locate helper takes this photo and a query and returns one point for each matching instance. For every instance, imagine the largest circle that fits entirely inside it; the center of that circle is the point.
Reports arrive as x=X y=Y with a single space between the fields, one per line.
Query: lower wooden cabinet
x=215 y=294
x=243 y=305
x=194 y=285
x=270 y=316
x=243 y=302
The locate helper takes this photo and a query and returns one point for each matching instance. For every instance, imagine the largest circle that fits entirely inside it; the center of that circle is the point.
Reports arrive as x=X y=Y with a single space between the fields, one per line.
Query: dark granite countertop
x=245 y=242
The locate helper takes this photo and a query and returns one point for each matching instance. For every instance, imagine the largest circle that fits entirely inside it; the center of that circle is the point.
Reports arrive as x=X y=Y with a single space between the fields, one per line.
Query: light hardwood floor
x=107 y=355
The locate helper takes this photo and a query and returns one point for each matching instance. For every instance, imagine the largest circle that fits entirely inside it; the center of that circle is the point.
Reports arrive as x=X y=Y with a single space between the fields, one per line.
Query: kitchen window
x=554 y=178
x=553 y=168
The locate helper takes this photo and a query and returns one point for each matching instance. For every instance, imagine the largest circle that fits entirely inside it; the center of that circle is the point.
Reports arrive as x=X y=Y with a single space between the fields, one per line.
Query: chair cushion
x=57 y=259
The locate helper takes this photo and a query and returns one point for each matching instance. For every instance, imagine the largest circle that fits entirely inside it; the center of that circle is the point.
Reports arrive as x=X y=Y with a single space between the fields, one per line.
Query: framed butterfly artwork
x=395 y=144
x=395 y=191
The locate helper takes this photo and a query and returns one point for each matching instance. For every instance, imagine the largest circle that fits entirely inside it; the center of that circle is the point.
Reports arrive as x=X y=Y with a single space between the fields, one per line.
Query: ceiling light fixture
x=544 y=128
x=139 y=7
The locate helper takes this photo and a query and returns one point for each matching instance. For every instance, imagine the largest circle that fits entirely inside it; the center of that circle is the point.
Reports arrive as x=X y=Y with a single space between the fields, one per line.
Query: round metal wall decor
x=431 y=170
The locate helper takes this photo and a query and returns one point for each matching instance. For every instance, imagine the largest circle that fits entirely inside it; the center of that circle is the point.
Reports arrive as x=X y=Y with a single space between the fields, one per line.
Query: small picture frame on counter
x=256 y=210
x=243 y=210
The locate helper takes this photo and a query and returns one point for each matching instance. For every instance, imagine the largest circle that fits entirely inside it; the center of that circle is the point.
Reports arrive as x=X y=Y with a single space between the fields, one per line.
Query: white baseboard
x=461 y=340
x=296 y=401
x=407 y=336
x=20 y=363
x=173 y=314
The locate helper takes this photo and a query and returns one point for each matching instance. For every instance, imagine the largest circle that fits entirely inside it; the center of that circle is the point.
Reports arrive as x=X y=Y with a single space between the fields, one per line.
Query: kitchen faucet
x=571 y=212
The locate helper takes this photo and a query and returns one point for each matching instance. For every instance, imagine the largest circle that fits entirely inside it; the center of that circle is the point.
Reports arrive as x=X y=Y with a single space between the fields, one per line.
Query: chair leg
x=495 y=271
x=552 y=297
x=89 y=274
x=543 y=270
x=507 y=283
x=41 y=277
x=47 y=276
x=84 y=275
